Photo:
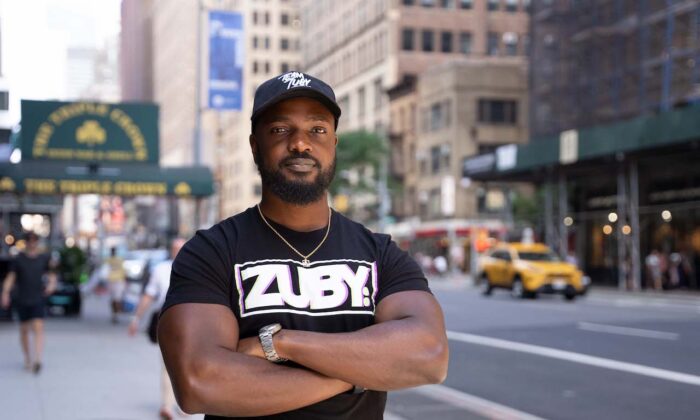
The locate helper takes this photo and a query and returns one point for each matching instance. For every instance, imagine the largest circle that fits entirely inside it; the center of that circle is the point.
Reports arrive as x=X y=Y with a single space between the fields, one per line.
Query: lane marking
x=472 y=403
x=668 y=375
x=391 y=416
x=635 y=332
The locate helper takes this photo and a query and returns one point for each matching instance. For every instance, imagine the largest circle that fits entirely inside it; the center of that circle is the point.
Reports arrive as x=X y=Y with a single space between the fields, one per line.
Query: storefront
x=76 y=148
x=613 y=194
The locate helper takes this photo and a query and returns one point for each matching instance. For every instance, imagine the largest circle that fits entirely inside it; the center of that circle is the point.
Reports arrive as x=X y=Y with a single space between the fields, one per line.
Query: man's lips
x=299 y=164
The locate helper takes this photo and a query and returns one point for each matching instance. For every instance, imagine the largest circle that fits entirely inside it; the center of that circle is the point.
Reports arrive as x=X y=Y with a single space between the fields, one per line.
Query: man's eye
x=278 y=130
x=319 y=130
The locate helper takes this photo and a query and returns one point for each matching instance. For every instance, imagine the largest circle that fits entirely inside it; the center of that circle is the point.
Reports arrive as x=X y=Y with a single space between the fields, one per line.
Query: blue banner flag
x=226 y=49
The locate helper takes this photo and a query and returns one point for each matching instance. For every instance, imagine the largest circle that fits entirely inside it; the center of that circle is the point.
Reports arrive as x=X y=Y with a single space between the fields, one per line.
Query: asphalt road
x=607 y=356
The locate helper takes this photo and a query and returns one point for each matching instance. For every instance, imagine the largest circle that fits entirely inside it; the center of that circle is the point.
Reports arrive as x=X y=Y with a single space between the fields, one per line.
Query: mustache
x=302 y=155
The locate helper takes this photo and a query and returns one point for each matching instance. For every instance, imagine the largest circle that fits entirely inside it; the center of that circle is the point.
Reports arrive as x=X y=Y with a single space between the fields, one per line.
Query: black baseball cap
x=293 y=84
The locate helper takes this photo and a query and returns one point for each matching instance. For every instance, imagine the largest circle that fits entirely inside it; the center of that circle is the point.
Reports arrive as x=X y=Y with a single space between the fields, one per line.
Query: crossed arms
x=214 y=372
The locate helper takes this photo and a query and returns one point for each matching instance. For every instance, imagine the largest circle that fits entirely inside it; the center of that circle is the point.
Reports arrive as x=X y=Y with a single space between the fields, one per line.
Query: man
x=290 y=310
x=116 y=281
x=27 y=271
x=155 y=291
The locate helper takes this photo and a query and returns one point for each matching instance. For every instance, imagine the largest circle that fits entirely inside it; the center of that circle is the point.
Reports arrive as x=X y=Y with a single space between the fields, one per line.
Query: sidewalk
x=92 y=371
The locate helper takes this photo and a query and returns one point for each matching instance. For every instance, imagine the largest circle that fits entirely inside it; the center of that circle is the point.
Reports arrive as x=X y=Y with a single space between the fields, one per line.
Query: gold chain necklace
x=305 y=258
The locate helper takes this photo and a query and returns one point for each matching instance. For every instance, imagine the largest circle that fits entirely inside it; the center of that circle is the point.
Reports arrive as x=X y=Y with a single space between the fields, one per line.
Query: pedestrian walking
x=654 y=271
x=116 y=282
x=154 y=296
x=27 y=271
x=289 y=309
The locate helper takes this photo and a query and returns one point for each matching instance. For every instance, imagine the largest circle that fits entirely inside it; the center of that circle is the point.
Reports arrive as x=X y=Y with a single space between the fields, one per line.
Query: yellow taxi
x=529 y=269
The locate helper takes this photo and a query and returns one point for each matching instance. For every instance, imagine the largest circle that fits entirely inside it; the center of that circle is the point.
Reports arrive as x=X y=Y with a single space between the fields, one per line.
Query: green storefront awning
x=636 y=135
x=49 y=178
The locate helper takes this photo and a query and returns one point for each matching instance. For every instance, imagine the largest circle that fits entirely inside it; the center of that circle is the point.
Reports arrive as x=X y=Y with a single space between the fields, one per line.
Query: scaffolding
x=608 y=60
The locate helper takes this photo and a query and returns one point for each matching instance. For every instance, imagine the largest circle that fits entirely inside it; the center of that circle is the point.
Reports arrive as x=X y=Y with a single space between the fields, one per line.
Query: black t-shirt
x=242 y=264
x=29 y=272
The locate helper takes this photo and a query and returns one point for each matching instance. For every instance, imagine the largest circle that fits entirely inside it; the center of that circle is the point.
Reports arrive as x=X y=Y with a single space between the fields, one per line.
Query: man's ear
x=253 y=147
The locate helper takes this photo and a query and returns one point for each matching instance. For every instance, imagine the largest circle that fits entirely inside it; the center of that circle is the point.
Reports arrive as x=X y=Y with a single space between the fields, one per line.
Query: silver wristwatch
x=265 y=335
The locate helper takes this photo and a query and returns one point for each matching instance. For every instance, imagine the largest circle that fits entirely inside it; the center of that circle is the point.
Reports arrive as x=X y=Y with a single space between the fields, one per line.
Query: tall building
x=135 y=51
x=615 y=99
x=600 y=62
x=362 y=48
x=388 y=62
x=460 y=108
x=175 y=42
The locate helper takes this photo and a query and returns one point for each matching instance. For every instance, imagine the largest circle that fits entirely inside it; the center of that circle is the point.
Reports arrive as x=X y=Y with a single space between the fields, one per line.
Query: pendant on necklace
x=305 y=262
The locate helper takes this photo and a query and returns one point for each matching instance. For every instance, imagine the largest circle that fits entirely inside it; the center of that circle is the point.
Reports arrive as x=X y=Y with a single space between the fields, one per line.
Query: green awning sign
x=89 y=132
x=47 y=178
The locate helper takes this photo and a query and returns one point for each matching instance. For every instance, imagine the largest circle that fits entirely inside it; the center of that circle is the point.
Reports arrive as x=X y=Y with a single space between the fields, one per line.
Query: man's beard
x=295 y=191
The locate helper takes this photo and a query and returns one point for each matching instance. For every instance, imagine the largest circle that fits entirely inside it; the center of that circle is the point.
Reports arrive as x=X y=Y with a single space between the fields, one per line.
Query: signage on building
x=447 y=190
x=507 y=157
x=226 y=50
x=478 y=164
x=568 y=147
x=89 y=131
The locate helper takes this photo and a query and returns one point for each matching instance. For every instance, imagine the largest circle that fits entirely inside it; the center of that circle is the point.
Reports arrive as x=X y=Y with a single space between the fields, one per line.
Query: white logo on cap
x=294 y=79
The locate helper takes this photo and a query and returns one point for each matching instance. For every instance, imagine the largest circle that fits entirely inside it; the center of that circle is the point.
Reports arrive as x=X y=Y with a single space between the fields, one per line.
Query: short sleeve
x=201 y=270
x=399 y=272
x=153 y=288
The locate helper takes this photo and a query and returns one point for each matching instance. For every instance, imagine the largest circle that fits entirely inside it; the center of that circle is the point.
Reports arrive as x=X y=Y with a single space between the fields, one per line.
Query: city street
x=610 y=355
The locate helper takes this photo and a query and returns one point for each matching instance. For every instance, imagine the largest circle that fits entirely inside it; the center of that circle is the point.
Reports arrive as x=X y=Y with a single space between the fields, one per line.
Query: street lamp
x=607 y=229
x=612 y=217
x=666 y=215
x=568 y=221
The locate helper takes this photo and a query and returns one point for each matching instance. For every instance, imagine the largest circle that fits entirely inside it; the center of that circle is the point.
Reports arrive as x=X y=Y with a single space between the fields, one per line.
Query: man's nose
x=299 y=142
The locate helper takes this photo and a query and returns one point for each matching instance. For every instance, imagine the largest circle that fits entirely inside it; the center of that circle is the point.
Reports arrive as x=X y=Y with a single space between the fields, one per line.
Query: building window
x=255 y=42
x=284 y=44
x=267 y=18
x=439 y=115
x=361 y=103
x=447 y=4
x=493 y=5
x=4 y=100
x=267 y=42
x=407 y=39
x=427 y=40
x=284 y=67
x=435 y=159
x=408 y=2
x=498 y=111
x=284 y=19
x=255 y=67
x=255 y=18
x=510 y=42
x=257 y=190
x=378 y=93
x=466 y=4
x=427 y=3
x=446 y=42
x=492 y=43
x=511 y=6
x=465 y=43
x=267 y=67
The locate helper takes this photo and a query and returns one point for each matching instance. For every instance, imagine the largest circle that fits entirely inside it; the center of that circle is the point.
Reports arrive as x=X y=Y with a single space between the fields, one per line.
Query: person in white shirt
x=155 y=292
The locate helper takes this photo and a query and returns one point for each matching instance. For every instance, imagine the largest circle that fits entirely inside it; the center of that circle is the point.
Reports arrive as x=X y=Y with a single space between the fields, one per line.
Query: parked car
x=529 y=269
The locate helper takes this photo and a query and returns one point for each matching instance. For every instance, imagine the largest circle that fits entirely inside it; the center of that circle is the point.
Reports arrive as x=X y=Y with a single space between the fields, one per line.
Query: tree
x=360 y=154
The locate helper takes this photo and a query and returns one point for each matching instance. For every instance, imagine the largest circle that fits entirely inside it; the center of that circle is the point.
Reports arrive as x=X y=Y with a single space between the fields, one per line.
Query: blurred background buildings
x=496 y=115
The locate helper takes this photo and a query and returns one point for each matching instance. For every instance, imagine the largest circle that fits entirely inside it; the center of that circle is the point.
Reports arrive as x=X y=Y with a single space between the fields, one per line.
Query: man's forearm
x=227 y=383
x=391 y=355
